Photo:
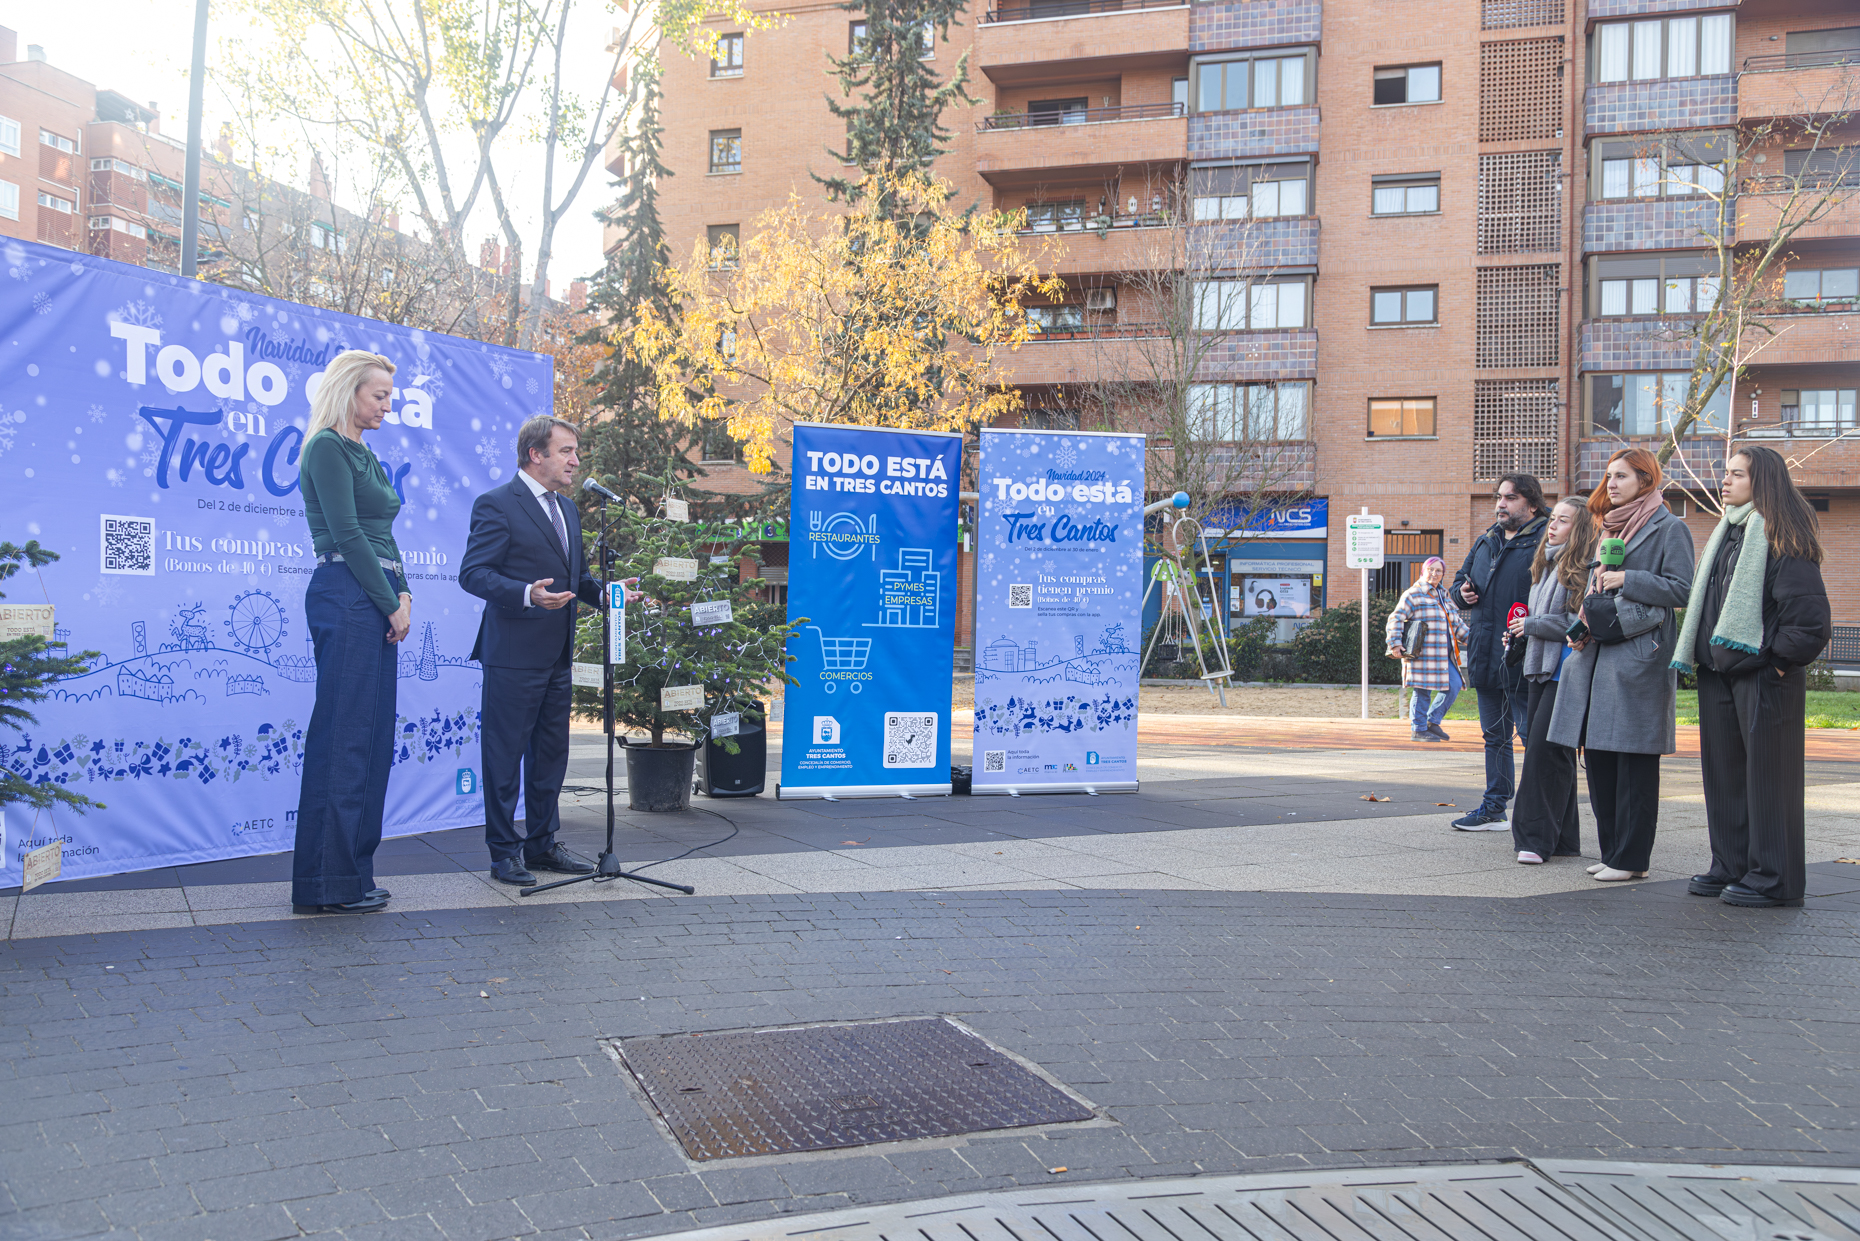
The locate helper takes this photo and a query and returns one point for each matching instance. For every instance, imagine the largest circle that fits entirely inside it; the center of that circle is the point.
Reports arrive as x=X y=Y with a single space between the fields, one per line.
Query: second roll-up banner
x=1059 y=597
x=872 y=568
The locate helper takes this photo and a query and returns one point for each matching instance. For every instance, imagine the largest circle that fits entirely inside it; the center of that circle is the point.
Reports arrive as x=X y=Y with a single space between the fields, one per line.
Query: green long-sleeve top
x=351 y=505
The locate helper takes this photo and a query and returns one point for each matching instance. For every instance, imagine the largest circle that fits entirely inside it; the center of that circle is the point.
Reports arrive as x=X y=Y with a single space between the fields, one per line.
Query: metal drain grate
x=1660 y=1202
x=783 y=1091
x=1562 y=1201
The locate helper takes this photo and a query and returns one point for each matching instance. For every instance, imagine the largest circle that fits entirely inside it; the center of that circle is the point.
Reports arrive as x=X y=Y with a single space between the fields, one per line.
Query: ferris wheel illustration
x=257 y=622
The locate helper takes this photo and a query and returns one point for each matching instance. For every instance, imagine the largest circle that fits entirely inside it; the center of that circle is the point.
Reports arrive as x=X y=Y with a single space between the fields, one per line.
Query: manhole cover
x=773 y=1092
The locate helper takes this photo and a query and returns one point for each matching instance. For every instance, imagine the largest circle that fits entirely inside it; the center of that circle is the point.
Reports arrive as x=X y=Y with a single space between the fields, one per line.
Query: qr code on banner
x=910 y=739
x=994 y=760
x=128 y=544
x=1020 y=594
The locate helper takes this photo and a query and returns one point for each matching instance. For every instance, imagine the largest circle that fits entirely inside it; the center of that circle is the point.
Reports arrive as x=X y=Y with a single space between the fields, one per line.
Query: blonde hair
x=333 y=406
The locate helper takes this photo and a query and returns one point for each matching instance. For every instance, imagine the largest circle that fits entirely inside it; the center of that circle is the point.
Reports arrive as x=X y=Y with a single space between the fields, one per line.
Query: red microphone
x=1517 y=610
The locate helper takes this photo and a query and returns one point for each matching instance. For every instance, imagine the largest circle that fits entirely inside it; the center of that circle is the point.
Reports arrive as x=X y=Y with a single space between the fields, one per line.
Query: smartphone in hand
x=1577 y=631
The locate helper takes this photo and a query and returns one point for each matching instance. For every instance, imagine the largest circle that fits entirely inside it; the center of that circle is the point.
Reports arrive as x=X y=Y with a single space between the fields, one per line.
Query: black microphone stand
x=608 y=867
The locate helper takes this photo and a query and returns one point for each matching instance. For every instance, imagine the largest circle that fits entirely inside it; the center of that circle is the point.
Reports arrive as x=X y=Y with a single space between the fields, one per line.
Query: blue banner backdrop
x=1059 y=593
x=149 y=433
x=872 y=569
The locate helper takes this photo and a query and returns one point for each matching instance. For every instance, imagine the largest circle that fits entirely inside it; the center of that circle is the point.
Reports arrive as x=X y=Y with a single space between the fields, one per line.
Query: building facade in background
x=1469 y=237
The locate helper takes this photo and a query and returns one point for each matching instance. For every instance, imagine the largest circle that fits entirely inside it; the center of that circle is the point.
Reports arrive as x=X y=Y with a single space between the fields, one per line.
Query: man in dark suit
x=525 y=539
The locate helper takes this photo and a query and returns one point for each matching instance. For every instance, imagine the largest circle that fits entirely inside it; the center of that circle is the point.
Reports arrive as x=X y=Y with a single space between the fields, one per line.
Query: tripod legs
x=608 y=867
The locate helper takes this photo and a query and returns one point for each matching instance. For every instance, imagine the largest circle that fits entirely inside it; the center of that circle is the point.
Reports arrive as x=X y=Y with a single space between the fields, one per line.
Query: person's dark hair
x=1527 y=486
x=537 y=432
x=1787 y=515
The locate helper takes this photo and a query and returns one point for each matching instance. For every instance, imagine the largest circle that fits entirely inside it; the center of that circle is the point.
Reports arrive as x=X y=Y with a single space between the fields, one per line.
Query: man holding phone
x=1495 y=576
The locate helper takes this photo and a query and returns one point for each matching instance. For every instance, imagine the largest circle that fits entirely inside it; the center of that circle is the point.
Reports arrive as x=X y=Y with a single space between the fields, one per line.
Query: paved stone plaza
x=1247 y=967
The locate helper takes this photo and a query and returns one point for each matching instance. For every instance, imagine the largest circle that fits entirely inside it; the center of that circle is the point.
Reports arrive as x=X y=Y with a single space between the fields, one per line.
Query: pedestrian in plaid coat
x=1433 y=672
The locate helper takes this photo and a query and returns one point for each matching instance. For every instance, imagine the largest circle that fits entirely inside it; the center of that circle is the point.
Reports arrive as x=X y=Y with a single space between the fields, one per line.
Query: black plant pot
x=659 y=777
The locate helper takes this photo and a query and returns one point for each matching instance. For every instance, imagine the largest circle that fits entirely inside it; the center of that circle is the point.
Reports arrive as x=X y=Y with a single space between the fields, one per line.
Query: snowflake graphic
x=428 y=457
x=149 y=457
x=98 y=413
x=42 y=303
x=488 y=450
x=108 y=592
x=115 y=476
x=500 y=366
x=531 y=386
x=440 y=489
x=245 y=312
x=140 y=313
x=1049 y=567
x=1065 y=458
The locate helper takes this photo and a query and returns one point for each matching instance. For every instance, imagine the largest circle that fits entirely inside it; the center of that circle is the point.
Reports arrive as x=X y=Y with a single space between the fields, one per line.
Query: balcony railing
x=1779 y=61
x=1101 y=225
x=1035 y=10
x=1081 y=116
x=1104 y=331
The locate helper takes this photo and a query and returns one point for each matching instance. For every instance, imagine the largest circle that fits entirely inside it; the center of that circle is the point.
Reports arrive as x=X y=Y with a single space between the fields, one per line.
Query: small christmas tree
x=27 y=671
x=732 y=660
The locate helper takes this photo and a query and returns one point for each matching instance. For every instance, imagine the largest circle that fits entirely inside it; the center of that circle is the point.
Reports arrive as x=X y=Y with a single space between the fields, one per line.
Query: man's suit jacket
x=512 y=544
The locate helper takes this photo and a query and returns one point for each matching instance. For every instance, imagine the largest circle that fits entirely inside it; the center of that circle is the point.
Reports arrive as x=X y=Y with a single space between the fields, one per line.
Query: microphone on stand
x=588 y=484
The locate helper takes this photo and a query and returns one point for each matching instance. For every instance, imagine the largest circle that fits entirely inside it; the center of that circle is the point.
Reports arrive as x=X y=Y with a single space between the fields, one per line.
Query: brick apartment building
x=1461 y=195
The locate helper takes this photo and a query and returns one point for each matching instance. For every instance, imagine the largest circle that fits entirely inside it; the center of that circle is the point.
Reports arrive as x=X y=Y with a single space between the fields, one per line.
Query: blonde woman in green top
x=359 y=610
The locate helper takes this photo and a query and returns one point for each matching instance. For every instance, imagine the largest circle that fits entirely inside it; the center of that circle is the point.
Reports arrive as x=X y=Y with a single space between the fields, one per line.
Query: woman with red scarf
x=1616 y=700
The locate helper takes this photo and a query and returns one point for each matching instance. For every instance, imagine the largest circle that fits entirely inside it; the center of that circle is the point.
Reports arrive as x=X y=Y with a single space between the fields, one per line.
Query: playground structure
x=1179 y=617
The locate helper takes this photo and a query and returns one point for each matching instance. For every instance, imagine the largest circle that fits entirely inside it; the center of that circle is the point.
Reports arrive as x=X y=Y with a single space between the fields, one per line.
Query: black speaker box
x=736 y=775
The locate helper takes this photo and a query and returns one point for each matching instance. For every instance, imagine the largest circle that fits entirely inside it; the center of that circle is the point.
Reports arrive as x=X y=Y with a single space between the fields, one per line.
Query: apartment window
x=1822 y=168
x=855 y=40
x=1252 y=191
x=1056 y=319
x=716 y=446
x=1659 y=166
x=1057 y=111
x=1276 y=81
x=1178 y=93
x=1813 y=286
x=1665 y=47
x=1056 y=217
x=62 y=143
x=1404 y=307
x=726 y=150
x=1402 y=417
x=55 y=203
x=1407 y=84
x=1242 y=305
x=724 y=241
x=1819 y=409
x=1396 y=195
x=107 y=223
x=9 y=200
x=1228 y=413
x=1652 y=284
x=121 y=167
x=727 y=60
x=9 y=136
x=1641 y=405
x=1840 y=46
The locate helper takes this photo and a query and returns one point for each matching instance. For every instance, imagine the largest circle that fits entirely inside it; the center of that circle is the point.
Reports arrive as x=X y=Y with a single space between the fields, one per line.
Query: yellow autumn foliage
x=859 y=318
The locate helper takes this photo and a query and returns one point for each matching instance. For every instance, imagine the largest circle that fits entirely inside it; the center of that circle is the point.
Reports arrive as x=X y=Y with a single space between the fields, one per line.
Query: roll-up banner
x=1058 y=612
x=150 y=429
x=872 y=589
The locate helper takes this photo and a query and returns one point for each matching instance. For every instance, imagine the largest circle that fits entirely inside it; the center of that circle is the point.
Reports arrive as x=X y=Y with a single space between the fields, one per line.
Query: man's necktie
x=561 y=531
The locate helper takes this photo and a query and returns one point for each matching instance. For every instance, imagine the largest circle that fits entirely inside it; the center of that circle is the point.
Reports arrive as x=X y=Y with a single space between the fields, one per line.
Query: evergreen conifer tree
x=628 y=441
x=895 y=124
x=27 y=670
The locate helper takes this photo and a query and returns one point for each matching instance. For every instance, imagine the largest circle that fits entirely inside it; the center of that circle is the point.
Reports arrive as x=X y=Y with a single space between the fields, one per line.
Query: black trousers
x=1624 y=792
x=1543 y=818
x=525 y=744
x=1750 y=746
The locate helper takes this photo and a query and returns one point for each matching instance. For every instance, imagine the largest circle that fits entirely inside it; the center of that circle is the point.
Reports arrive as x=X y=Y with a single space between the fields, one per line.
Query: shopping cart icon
x=842 y=655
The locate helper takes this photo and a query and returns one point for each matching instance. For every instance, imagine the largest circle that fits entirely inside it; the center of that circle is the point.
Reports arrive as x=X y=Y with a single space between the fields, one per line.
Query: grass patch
x=1826 y=708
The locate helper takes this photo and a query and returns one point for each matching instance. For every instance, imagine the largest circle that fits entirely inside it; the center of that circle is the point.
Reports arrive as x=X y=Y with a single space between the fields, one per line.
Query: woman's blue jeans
x=349 y=746
x=1424 y=716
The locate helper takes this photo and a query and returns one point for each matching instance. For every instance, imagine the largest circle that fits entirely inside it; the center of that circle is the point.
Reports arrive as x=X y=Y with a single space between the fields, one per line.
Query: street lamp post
x=190 y=195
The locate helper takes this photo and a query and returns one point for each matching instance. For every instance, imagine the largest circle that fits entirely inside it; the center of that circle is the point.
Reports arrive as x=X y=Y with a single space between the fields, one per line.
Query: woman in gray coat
x=1616 y=701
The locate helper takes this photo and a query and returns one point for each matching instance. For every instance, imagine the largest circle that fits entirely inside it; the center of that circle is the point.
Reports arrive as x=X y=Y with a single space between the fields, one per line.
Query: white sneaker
x=1598 y=868
x=1609 y=874
x=1528 y=858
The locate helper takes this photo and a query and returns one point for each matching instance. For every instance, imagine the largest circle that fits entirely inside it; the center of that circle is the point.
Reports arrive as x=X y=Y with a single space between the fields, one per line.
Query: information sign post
x=1363 y=550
